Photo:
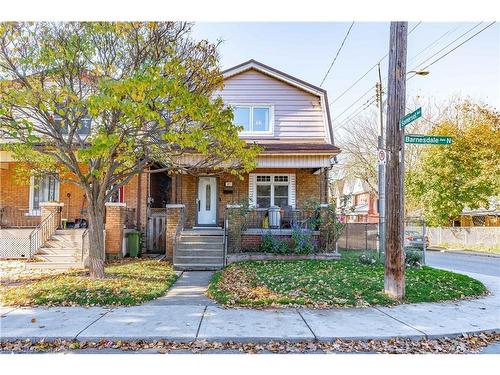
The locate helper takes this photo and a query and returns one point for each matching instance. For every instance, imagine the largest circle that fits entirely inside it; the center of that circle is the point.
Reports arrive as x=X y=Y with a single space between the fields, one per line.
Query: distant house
x=355 y=198
x=481 y=217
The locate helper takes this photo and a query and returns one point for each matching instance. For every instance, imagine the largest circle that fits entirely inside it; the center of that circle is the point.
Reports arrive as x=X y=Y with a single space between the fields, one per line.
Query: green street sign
x=410 y=117
x=428 y=139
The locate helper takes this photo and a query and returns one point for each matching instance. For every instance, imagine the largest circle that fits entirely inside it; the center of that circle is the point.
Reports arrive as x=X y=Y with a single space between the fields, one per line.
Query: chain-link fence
x=364 y=237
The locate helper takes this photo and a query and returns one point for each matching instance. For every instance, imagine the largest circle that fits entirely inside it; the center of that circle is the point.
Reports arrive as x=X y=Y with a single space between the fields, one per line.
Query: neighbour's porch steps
x=200 y=249
x=62 y=251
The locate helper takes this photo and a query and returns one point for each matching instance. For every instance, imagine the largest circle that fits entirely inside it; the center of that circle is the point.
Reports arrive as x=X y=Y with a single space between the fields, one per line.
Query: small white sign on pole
x=381 y=156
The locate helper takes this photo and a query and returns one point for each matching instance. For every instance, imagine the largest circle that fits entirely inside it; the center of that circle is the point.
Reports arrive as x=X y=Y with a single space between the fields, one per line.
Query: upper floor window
x=255 y=119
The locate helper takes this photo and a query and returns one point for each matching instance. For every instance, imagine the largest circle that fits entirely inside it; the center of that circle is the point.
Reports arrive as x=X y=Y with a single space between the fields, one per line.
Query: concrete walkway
x=182 y=322
x=189 y=289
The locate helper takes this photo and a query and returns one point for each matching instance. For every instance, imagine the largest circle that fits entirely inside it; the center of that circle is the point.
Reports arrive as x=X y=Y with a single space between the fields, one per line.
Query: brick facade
x=308 y=185
x=115 y=221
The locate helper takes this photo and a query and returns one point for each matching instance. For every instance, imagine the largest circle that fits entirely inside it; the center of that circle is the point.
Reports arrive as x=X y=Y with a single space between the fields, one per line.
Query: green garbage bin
x=133 y=243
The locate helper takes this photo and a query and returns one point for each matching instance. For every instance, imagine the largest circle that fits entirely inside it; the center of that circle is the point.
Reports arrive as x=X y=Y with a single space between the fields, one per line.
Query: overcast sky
x=306 y=50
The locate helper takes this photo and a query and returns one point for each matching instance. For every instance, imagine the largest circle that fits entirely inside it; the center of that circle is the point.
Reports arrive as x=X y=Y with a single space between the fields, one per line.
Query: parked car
x=415 y=239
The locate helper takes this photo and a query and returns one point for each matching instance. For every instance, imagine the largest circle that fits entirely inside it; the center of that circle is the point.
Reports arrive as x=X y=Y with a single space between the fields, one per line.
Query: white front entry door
x=207 y=201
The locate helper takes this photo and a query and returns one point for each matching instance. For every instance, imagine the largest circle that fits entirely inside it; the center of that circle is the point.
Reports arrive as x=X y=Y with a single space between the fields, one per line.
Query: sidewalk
x=204 y=322
x=463 y=251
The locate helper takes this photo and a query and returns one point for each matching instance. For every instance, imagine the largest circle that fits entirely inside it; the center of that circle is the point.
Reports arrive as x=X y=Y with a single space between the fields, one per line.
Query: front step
x=57 y=258
x=62 y=251
x=200 y=249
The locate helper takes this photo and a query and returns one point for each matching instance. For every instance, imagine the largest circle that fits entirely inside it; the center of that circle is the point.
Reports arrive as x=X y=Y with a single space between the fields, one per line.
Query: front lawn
x=321 y=284
x=127 y=282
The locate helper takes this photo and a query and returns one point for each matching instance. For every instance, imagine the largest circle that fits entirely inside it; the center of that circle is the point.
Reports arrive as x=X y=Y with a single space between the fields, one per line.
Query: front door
x=207 y=201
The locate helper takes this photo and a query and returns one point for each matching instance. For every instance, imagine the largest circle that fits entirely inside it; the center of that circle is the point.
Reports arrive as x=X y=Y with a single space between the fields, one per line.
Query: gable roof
x=287 y=78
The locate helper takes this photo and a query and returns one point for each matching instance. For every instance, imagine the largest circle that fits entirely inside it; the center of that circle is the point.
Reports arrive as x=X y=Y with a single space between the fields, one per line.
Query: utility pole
x=394 y=282
x=381 y=167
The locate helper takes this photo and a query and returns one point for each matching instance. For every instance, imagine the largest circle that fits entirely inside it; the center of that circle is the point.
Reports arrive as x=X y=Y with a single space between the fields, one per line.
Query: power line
x=337 y=54
x=449 y=44
x=435 y=61
x=456 y=39
x=369 y=70
x=453 y=49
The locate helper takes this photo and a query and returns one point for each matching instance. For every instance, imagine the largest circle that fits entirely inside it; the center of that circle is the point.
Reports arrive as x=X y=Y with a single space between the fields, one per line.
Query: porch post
x=47 y=208
x=115 y=222
x=175 y=221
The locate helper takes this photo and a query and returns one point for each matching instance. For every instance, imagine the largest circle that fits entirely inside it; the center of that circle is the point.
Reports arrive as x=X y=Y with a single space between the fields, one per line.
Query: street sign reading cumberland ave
x=410 y=117
x=428 y=139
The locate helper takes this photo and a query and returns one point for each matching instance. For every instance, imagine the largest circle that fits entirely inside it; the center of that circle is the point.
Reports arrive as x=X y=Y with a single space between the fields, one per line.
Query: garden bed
x=232 y=258
x=127 y=282
x=324 y=284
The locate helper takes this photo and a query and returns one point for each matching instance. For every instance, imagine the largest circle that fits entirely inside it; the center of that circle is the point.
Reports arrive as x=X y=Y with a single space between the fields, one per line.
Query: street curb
x=465 y=252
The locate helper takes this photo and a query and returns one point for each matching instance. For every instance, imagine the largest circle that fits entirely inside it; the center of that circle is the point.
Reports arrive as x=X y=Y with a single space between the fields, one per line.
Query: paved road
x=484 y=265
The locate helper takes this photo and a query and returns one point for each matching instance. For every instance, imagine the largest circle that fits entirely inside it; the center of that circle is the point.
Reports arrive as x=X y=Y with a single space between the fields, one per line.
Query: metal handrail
x=84 y=237
x=226 y=225
x=42 y=233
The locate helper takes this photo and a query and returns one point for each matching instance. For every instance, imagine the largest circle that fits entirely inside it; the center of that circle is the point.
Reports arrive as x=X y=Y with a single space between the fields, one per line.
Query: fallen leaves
x=458 y=345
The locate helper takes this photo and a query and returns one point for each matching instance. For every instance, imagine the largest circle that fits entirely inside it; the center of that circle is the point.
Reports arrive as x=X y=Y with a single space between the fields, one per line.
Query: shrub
x=369 y=258
x=413 y=258
x=303 y=243
x=271 y=244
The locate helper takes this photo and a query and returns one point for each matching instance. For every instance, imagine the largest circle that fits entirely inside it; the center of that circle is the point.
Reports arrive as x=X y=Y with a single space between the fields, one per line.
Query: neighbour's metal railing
x=85 y=245
x=43 y=232
x=19 y=217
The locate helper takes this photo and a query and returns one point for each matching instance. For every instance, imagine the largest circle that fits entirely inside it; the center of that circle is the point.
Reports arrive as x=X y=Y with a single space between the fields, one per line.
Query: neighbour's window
x=253 y=119
x=272 y=190
x=83 y=126
x=44 y=189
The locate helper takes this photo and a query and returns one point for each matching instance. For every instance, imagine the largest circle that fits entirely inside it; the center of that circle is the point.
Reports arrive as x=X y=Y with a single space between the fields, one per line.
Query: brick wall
x=307 y=185
x=115 y=220
x=14 y=193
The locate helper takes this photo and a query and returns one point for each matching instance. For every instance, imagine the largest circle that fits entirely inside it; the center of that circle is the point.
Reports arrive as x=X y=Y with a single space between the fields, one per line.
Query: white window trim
x=272 y=183
x=37 y=212
x=259 y=105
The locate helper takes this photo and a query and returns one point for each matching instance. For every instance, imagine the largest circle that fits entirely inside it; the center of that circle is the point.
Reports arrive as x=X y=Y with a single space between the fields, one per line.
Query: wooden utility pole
x=394 y=283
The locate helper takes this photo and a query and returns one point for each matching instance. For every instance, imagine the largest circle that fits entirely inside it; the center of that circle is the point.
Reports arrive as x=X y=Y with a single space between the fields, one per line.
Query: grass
x=321 y=284
x=127 y=282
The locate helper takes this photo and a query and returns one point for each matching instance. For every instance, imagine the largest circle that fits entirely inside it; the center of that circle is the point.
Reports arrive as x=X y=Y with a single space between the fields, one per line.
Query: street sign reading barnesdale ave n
x=428 y=139
x=410 y=117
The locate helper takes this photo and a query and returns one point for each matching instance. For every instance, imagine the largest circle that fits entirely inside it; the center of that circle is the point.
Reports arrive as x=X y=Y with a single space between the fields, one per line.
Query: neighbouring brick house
x=357 y=200
x=287 y=117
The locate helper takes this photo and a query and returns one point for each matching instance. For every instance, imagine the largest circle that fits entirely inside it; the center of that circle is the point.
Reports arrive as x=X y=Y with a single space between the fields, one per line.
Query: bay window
x=272 y=190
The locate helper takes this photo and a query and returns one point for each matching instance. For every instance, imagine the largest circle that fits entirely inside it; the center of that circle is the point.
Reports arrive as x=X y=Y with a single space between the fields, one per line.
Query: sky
x=306 y=50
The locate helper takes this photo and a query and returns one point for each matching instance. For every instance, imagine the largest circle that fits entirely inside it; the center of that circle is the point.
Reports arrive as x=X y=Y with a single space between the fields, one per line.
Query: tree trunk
x=96 y=239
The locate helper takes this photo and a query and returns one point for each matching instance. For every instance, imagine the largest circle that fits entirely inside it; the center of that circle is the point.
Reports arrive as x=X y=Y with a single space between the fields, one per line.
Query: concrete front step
x=197 y=267
x=63 y=245
x=203 y=232
x=184 y=245
x=57 y=258
x=204 y=259
x=199 y=252
x=58 y=251
x=54 y=265
x=201 y=239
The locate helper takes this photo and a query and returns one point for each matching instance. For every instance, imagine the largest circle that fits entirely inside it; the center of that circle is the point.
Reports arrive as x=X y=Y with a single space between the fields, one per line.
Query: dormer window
x=256 y=119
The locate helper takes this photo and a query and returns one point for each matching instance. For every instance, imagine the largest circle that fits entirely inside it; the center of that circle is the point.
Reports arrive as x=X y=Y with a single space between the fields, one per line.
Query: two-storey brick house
x=287 y=117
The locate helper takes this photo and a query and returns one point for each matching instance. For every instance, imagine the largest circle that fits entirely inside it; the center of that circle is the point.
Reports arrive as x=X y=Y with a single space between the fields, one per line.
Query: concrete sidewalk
x=203 y=322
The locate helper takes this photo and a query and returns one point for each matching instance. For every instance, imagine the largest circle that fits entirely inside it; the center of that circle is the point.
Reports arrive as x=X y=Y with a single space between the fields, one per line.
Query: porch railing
x=18 y=217
x=282 y=219
x=43 y=232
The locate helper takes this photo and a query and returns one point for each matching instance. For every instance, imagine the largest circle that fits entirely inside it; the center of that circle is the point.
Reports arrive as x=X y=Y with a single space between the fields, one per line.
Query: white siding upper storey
x=297 y=110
